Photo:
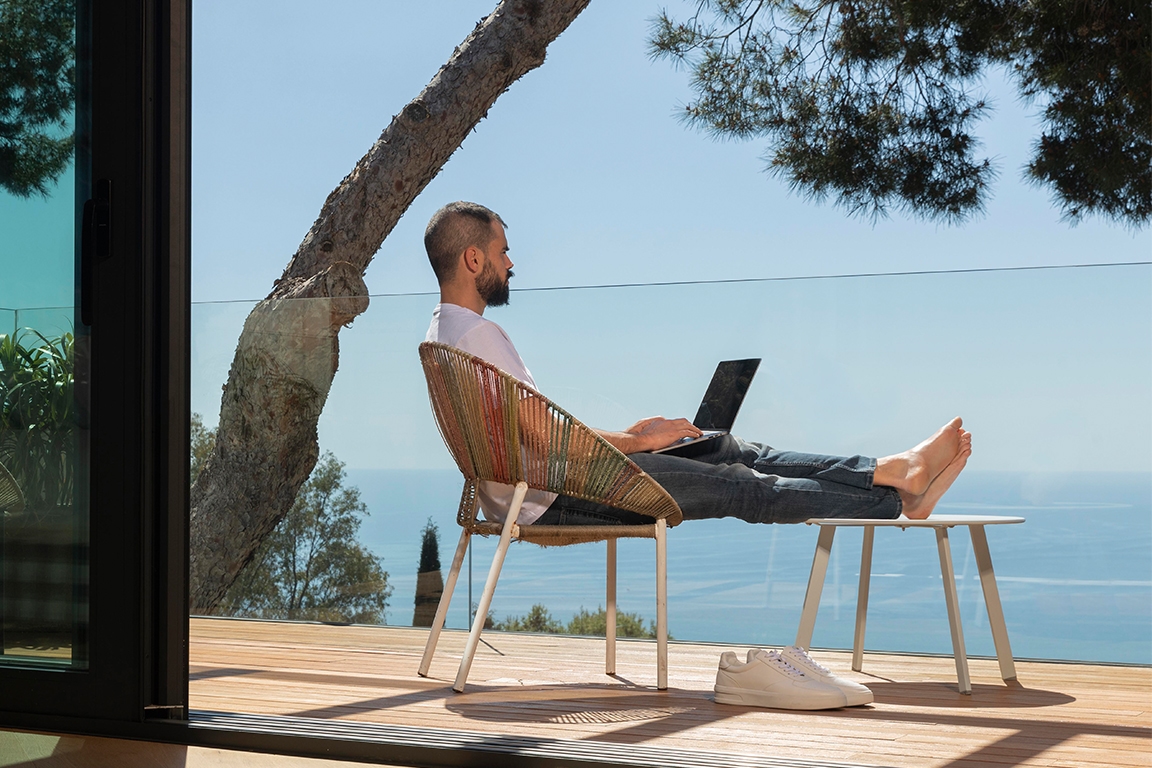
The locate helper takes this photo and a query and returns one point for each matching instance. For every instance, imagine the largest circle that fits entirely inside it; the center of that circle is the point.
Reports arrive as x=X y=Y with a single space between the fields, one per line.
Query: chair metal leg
x=862 y=598
x=992 y=602
x=661 y=605
x=490 y=586
x=610 y=611
x=442 y=608
x=815 y=586
x=953 y=602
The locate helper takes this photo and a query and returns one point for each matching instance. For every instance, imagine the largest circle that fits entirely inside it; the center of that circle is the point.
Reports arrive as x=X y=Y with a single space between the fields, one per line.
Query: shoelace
x=774 y=658
x=809 y=660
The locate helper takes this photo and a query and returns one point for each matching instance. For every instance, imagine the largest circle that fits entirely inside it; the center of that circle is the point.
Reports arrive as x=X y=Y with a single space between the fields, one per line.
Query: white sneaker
x=768 y=680
x=855 y=693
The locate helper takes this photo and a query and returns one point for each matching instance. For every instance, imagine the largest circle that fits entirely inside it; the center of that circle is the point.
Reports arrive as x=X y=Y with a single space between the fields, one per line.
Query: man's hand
x=651 y=434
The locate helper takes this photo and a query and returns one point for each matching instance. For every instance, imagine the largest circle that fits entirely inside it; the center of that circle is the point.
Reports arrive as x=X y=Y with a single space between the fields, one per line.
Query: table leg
x=610 y=611
x=953 y=602
x=815 y=586
x=661 y=604
x=862 y=599
x=992 y=602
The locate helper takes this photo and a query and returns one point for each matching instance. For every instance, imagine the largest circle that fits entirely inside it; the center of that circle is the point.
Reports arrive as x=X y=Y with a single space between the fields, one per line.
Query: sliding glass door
x=93 y=233
x=44 y=423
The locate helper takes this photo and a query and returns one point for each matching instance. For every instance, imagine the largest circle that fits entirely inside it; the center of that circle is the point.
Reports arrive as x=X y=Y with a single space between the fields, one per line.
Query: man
x=724 y=477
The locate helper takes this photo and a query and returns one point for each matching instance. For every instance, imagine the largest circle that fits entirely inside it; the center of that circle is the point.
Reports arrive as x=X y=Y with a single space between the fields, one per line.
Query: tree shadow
x=646 y=715
x=1010 y=695
x=559 y=703
x=633 y=714
x=575 y=703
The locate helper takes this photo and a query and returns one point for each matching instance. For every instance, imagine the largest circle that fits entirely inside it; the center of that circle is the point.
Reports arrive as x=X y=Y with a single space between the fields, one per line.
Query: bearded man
x=725 y=477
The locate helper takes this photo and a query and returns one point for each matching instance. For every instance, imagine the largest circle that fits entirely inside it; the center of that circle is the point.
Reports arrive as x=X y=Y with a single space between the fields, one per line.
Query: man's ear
x=473 y=260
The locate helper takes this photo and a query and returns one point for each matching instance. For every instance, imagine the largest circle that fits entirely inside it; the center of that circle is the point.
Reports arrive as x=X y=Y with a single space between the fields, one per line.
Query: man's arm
x=489 y=342
x=650 y=434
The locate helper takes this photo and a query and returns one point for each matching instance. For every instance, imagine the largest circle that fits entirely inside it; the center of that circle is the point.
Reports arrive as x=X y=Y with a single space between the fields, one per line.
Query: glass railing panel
x=1050 y=368
x=51 y=322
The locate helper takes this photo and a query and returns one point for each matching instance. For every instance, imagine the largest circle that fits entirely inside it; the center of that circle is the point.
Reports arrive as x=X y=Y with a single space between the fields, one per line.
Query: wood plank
x=550 y=686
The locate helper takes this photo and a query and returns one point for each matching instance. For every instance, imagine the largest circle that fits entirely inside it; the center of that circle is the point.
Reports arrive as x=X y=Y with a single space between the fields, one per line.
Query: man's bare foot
x=919 y=507
x=914 y=470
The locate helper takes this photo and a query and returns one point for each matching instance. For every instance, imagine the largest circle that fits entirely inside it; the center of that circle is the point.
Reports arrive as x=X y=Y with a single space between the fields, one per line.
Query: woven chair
x=498 y=428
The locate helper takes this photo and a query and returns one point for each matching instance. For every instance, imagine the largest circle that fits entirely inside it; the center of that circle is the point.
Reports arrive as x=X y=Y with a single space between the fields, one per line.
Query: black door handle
x=95 y=242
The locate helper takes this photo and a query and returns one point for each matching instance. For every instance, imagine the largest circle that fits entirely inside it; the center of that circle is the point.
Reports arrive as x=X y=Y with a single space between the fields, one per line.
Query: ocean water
x=1075 y=580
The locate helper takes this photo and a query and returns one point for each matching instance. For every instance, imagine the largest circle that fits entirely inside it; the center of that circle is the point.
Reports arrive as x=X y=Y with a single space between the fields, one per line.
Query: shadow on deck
x=549 y=694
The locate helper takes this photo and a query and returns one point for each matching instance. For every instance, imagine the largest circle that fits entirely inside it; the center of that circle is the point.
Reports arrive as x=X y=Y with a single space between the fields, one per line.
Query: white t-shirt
x=462 y=328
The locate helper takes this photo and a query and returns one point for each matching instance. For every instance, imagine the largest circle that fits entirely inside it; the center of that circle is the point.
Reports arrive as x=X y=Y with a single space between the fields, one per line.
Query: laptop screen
x=725 y=394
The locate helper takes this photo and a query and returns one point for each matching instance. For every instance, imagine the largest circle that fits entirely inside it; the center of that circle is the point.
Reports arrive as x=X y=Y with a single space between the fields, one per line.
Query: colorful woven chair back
x=498 y=428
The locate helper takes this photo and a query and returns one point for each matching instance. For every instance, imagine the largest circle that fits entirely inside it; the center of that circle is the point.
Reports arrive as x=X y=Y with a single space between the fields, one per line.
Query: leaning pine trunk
x=288 y=352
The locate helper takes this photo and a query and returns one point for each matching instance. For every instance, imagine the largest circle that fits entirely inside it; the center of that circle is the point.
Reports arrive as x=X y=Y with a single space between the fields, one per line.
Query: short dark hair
x=454 y=228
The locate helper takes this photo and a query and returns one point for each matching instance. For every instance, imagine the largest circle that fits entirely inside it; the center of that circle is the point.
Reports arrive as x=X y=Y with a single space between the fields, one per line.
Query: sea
x=1075 y=579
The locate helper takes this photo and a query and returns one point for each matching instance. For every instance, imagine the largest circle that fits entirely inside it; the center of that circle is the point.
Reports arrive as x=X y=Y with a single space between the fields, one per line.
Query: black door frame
x=133 y=139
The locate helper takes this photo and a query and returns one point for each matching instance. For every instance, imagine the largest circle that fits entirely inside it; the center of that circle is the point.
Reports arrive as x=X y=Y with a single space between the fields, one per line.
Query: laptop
x=721 y=401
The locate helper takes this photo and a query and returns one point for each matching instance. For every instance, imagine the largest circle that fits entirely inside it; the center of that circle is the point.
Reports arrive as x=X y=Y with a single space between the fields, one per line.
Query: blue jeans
x=730 y=477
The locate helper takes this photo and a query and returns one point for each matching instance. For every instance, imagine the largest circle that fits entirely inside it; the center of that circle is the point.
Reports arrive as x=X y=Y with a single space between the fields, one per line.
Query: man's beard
x=491 y=288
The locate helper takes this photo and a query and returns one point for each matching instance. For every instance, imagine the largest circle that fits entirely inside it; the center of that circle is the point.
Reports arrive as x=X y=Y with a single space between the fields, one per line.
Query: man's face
x=492 y=282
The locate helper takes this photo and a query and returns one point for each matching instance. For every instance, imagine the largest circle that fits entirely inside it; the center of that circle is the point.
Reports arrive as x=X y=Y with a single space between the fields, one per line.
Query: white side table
x=941 y=524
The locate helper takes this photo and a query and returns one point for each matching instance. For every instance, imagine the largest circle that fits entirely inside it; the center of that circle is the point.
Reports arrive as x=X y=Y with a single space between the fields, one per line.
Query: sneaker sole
x=857 y=698
x=749 y=698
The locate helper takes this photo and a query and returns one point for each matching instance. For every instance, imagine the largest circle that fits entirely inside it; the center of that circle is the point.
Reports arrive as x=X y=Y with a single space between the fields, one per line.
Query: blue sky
x=601 y=184
x=584 y=158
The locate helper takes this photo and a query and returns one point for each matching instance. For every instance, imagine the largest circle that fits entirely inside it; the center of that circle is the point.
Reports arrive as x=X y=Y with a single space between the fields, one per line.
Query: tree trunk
x=288 y=352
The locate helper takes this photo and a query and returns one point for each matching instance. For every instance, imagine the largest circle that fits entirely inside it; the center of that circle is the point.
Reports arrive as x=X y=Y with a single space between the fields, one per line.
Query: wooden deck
x=553 y=687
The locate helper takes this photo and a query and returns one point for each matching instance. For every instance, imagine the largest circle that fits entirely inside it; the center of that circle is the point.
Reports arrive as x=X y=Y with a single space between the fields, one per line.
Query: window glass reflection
x=43 y=509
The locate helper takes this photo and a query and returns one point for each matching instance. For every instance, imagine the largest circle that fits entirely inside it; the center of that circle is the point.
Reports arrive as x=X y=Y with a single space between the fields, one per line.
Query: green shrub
x=539 y=619
x=312 y=566
x=38 y=417
x=627 y=624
